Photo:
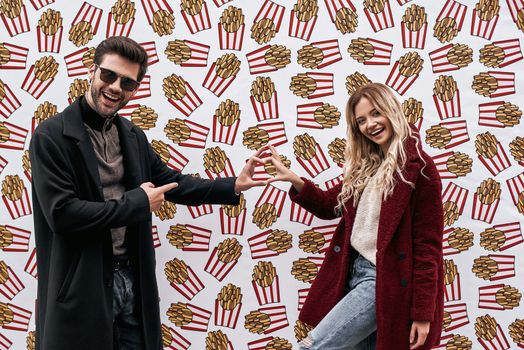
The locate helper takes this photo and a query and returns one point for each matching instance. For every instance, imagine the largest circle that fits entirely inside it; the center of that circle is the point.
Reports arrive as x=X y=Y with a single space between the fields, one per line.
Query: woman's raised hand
x=282 y=172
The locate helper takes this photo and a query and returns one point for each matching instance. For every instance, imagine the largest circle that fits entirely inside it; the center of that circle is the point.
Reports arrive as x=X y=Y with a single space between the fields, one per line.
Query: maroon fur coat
x=409 y=283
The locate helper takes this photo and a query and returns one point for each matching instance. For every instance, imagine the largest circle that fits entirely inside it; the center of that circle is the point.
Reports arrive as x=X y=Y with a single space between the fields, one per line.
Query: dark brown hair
x=125 y=47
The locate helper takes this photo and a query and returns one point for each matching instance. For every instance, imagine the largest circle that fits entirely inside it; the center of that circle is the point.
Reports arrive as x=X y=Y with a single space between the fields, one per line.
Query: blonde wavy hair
x=364 y=158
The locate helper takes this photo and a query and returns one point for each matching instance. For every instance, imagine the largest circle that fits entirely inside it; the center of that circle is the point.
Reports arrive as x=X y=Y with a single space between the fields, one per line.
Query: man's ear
x=91 y=72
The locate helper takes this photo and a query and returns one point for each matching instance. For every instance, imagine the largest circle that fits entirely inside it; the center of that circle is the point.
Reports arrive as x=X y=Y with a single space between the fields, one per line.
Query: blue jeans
x=351 y=324
x=127 y=326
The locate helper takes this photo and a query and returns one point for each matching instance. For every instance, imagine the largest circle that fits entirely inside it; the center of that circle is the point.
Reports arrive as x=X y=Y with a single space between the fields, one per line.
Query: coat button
x=401 y=256
x=404 y=282
x=336 y=249
x=109 y=282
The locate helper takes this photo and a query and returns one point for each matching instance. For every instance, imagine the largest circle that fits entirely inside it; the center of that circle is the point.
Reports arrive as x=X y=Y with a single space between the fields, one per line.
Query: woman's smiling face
x=373 y=125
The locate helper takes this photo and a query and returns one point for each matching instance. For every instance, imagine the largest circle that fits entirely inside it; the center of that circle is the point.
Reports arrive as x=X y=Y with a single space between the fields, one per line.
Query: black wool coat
x=72 y=225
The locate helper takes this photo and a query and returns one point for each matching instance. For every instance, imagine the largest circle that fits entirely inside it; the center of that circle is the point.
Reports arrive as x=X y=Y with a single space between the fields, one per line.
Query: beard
x=101 y=108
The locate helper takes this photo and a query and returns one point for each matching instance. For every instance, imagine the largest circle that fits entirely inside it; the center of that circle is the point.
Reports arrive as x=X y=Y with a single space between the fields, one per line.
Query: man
x=96 y=181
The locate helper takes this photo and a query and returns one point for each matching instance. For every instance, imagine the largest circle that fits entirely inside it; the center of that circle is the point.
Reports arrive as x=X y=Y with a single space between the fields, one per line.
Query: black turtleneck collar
x=92 y=118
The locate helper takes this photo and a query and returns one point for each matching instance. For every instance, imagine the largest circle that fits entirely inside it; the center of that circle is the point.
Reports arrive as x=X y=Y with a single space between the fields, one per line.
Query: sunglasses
x=109 y=77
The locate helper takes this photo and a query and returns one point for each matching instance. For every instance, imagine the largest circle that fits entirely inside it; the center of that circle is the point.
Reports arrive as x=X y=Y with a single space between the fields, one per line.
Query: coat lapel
x=131 y=152
x=74 y=127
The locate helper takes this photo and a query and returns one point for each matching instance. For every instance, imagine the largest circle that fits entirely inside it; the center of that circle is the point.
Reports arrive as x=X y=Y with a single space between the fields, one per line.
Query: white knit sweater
x=365 y=227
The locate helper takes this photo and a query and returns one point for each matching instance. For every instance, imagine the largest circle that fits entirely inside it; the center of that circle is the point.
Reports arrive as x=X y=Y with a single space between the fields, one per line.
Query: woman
x=381 y=283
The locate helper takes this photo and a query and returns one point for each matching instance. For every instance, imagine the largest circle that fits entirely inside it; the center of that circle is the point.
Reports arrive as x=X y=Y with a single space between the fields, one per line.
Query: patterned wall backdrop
x=229 y=76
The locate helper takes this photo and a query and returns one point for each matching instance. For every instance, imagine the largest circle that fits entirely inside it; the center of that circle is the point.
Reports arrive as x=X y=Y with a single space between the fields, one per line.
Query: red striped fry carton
x=269 y=294
x=38 y=4
x=452 y=291
x=488 y=114
x=30 y=266
x=152 y=55
x=381 y=53
x=456 y=194
x=217 y=268
x=113 y=28
x=89 y=13
x=18 y=24
x=458 y=130
x=74 y=63
x=188 y=103
x=381 y=20
x=327 y=232
x=200 y=239
x=178 y=342
x=200 y=210
x=21 y=319
x=17 y=136
x=446 y=248
x=512 y=233
x=219 y=3
x=200 y=320
x=257 y=62
x=20 y=239
x=231 y=40
x=403 y=2
x=487 y=297
x=224 y=133
x=49 y=43
x=505 y=83
x=228 y=171
x=260 y=344
x=156 y=237
x=232 y=225
x=271 y=11
x=334 y=5
x=324 y=84
x=482 y=28
x=498 y=163
x=301 y=29
x=484 y=212
x=272 y=195
x=441 y=161
x=302 y=296
x=277 y=316
x=455 y=10
x=144 y=89
x=215 y=83
x=33 y=85
x=299 y=214
x=505 y=266
x=514 y=7
x=511 y=49
x=306 y=115
x=9 y=103
x=17 y=57
x=177 y=161
x=12 y=286
x=5 y=344
x=258 y=246
x=458 y=314
x=191 y=287
x=330 y=51
x=317 y=164
x=226 y=318
x=198 y=22
x=443 y=342
x=334 y=181
x=265 y=110
x=415 y=39
x=276 y=132
x=398 y=82
x=198 y=135
x=500 y=342
x=152 y=6
x=439 y=60
x=3 y=164
x=20 y=207
x=516 y=188
x=199 y=54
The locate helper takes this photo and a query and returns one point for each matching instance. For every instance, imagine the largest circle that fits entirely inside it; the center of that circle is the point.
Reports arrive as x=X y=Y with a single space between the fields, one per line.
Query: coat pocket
x=64 y=289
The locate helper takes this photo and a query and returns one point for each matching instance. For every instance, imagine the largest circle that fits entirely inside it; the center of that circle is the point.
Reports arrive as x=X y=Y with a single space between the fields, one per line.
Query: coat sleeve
x=428 y=227
x=319 y=202
x=191 y=190
x=67 y=213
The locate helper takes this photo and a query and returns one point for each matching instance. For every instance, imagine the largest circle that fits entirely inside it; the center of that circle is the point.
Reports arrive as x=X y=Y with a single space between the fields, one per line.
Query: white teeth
x=111 y=97
x=376 y=132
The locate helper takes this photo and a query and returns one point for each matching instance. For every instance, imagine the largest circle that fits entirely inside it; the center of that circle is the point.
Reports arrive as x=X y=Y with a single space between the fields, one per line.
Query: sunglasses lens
x=108 y=76
x=128 y=84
